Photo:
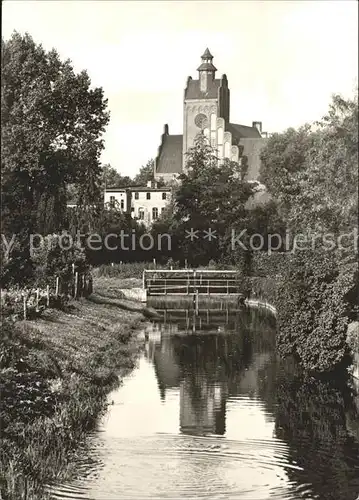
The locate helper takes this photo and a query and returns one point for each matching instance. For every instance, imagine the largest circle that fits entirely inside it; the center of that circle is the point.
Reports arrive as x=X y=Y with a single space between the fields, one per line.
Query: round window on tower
x=201 y=121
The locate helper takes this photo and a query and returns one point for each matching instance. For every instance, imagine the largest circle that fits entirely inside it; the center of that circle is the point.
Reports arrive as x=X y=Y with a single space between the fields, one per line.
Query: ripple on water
x=180 y=466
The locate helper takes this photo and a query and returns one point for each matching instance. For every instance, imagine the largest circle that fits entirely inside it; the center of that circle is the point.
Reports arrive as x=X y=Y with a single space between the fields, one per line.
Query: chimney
x=258 y=126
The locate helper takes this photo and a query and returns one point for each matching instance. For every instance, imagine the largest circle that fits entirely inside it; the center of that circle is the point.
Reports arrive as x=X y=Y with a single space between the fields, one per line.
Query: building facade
x=206 y=110
x=145 y=204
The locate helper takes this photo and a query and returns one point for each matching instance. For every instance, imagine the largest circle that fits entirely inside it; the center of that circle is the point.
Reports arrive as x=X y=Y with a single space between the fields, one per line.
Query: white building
x=145 y=204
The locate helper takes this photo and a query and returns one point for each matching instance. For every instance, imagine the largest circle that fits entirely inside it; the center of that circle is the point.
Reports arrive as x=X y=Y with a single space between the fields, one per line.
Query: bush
x=315 y=303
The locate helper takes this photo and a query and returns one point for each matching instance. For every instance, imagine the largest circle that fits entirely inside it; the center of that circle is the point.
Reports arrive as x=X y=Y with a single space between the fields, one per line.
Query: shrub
x=315 y=303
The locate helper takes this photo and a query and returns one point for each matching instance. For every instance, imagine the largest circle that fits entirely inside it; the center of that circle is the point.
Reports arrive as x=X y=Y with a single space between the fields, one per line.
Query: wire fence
x=28 y=303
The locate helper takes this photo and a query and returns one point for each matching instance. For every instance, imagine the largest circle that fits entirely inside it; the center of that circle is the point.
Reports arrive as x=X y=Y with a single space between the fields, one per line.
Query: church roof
x=207 y=54
x=207 y=66
x=193 y=89
x=243 y=131
x=170 y=158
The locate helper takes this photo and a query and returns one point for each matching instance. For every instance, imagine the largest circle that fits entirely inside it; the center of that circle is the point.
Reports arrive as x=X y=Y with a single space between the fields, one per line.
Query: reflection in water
x=211 y=412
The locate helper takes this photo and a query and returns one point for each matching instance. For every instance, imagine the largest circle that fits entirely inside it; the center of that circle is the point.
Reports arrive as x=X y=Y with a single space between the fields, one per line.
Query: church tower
x=206 y=71
x=206 y=108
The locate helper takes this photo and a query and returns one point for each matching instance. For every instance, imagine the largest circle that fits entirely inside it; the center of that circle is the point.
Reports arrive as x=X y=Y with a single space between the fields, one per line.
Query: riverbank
x=56 y=372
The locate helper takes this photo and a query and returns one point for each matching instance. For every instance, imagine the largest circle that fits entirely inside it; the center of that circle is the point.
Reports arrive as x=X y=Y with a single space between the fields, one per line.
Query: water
x=211 y=412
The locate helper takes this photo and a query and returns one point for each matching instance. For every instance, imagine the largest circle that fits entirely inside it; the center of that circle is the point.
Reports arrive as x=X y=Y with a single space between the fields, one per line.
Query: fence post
x=76 y=284
x=47 y=295
x=197 y=306
x=57 y=286
x=154 y=263
x=73 y=268
x=227 y=288
x=37 y=299
x=24 y=305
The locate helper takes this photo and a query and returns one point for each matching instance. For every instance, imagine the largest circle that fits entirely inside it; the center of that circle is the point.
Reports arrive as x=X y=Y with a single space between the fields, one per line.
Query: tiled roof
x=207 y=54
x=193 y=90
x=170 y=158
x=243 y=131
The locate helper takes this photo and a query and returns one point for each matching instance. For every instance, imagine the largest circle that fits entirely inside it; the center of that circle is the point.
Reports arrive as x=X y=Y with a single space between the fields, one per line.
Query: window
x=122 y=204
x=154 y=213
x=136 y=195
x=141 y=213
x=164 y=196
x=132 y=209
x=112 y=201
x=148 y=196
x=162 y=210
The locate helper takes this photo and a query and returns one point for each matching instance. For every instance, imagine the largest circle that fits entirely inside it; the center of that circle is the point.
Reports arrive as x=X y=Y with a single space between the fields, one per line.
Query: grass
x=124 y=270
x=55 y=375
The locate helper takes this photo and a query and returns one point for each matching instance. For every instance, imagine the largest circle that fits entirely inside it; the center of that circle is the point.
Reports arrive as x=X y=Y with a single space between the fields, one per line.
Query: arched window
x=154 y=213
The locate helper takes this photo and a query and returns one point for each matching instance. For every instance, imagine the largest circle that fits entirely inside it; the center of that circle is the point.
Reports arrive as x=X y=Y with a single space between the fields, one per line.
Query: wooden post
x=47 y=295
x=154 y=263
x=165 y=286
x=37 y=300
x=24 y=304
x=208 y=287
x=197 y=307
x=143 y=280
x=73 y=268
x=76 y=284
x=227 y=288
x=57 y=286
x=185 y=263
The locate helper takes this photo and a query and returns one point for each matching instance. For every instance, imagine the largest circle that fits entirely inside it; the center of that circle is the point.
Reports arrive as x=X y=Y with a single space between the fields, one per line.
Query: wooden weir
x=187 y=282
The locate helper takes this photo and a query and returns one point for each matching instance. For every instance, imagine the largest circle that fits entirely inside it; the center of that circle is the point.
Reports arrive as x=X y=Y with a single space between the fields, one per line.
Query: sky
x=283 y=59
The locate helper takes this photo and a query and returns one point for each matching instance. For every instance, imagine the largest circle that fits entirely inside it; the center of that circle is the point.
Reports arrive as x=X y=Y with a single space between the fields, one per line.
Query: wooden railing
x=190 y=282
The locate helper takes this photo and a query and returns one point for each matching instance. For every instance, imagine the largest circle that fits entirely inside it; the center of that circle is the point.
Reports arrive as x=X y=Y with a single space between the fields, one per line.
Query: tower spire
x=206 y=70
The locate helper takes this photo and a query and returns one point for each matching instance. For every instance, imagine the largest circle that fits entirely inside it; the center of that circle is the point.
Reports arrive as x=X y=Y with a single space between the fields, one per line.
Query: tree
x=313 y=176
x=312 y=173
x=145 y=174
x=51 y=132
x=210 y=197
x=112 y=178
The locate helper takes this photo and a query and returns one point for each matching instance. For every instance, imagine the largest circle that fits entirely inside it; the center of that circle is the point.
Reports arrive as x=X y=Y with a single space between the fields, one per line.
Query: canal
x=211 y=412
